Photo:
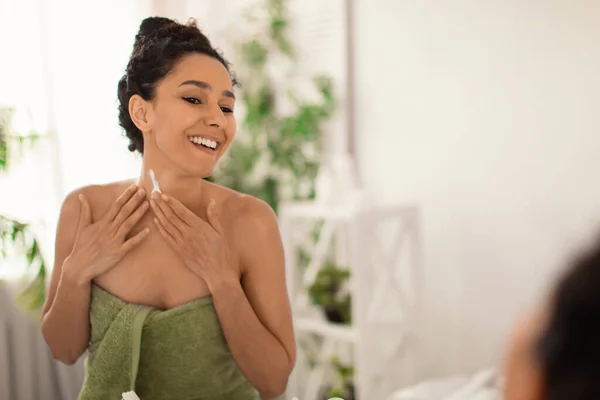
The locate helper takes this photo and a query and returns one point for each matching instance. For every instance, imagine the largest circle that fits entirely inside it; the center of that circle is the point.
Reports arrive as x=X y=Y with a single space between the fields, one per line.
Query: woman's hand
x=100 y=245
x=200 y=244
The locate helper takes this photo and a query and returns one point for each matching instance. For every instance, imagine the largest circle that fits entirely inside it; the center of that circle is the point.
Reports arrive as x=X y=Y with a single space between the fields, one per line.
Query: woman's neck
x=188 y=190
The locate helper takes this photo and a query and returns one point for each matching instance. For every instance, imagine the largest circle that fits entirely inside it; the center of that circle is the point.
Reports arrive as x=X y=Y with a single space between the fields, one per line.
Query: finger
x=170 y=214
x=170 y=239
x=119 y=203
x=135 y=240
x=182 y=211
x=165 y=222
x=133 y=219
x=85 y=215
x=213 y=218
x=129 y=208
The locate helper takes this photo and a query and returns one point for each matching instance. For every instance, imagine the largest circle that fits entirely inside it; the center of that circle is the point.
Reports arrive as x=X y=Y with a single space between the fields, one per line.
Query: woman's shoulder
x=236 y=204
x=241 y=212
x=250 y=224
x=100 y=196
x=246 y=208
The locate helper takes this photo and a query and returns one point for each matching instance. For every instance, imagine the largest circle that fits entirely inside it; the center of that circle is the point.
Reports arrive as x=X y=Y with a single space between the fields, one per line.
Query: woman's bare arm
x=255 y=314
x=85 y=250
x=65 y=316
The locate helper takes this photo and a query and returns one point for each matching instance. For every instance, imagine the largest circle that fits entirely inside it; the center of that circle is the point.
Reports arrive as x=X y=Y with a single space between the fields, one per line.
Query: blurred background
x=432 y=163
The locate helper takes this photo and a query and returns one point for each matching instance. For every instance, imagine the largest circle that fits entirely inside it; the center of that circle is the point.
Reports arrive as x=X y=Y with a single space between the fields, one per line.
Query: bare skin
x=524 y=378
x=247 y=286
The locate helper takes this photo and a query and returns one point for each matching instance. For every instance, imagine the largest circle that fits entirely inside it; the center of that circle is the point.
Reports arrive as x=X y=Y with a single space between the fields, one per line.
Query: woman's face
x=191 y=119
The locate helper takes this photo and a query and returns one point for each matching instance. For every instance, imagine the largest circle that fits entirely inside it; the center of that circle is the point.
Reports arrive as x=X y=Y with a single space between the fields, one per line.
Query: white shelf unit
x=381 y=248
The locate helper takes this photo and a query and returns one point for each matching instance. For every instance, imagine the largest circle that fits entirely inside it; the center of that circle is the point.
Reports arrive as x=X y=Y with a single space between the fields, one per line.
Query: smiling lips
x=204 y=143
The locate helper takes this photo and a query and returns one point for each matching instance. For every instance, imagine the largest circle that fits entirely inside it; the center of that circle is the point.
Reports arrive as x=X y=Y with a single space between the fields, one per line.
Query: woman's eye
x=192 y=100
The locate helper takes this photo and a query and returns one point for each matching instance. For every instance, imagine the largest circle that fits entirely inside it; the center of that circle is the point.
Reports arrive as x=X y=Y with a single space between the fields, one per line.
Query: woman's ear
x=139 y=112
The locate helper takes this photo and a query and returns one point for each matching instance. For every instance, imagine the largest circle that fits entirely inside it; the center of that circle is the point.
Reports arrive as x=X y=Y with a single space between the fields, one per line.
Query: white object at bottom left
x=130 y=396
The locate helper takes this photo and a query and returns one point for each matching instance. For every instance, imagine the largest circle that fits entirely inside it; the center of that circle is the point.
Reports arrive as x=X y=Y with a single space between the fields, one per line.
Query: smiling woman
x=179 y=293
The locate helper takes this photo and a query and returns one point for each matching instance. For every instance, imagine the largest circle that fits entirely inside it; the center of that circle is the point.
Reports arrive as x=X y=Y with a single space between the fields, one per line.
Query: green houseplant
x=17 y=236
x=276 y=154
x=343 y=386
x=329 y=292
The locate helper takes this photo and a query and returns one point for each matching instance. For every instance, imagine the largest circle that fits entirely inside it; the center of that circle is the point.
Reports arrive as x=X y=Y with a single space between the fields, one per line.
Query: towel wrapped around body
x=180 y=354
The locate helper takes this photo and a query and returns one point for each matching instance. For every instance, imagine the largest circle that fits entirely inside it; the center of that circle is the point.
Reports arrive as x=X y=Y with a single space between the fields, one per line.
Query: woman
x=555 y=354
x=180 y=295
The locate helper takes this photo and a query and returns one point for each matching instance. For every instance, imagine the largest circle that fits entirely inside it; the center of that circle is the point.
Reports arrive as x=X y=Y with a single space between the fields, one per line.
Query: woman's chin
x=201 y=171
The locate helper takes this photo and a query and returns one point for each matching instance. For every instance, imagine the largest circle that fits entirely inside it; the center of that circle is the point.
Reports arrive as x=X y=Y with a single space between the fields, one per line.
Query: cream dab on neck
x=155 y=185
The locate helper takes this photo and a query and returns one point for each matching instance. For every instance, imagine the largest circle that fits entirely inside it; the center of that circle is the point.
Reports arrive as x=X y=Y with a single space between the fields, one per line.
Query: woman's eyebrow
x=204 y=85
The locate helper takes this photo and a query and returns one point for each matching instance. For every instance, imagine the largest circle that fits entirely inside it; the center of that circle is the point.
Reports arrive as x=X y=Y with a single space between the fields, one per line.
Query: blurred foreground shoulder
x=522 y=369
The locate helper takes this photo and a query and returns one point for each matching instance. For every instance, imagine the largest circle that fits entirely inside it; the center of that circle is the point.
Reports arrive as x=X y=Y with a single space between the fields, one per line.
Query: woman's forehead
x=201 y=68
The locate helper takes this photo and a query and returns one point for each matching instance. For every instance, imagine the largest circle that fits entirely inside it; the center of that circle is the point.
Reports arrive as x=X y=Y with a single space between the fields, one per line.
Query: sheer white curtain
x=61 y=61
x=27 y=192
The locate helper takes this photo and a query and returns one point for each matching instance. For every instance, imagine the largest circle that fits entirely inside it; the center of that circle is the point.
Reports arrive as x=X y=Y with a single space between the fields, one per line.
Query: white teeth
x=203 y=141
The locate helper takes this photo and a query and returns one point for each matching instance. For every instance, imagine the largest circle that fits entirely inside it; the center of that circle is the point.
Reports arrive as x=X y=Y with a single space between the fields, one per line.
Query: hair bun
x=151 y=25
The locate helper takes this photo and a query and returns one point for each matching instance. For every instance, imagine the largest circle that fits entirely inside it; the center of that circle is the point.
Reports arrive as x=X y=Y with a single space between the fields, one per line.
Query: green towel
x=183 y=354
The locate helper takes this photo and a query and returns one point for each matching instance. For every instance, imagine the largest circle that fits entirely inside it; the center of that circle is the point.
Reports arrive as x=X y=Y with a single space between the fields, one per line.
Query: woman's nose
x=214 y=117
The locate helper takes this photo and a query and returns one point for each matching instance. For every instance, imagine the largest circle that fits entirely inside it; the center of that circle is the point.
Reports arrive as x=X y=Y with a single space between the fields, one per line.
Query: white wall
x=484 y=113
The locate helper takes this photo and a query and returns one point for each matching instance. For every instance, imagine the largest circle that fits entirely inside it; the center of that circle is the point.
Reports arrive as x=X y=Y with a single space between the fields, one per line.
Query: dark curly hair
x=569 y=348
x=159 y=44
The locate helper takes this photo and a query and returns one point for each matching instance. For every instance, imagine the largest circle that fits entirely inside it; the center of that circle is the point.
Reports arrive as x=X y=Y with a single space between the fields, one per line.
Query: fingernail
x=80 y=197
x=164 y=197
